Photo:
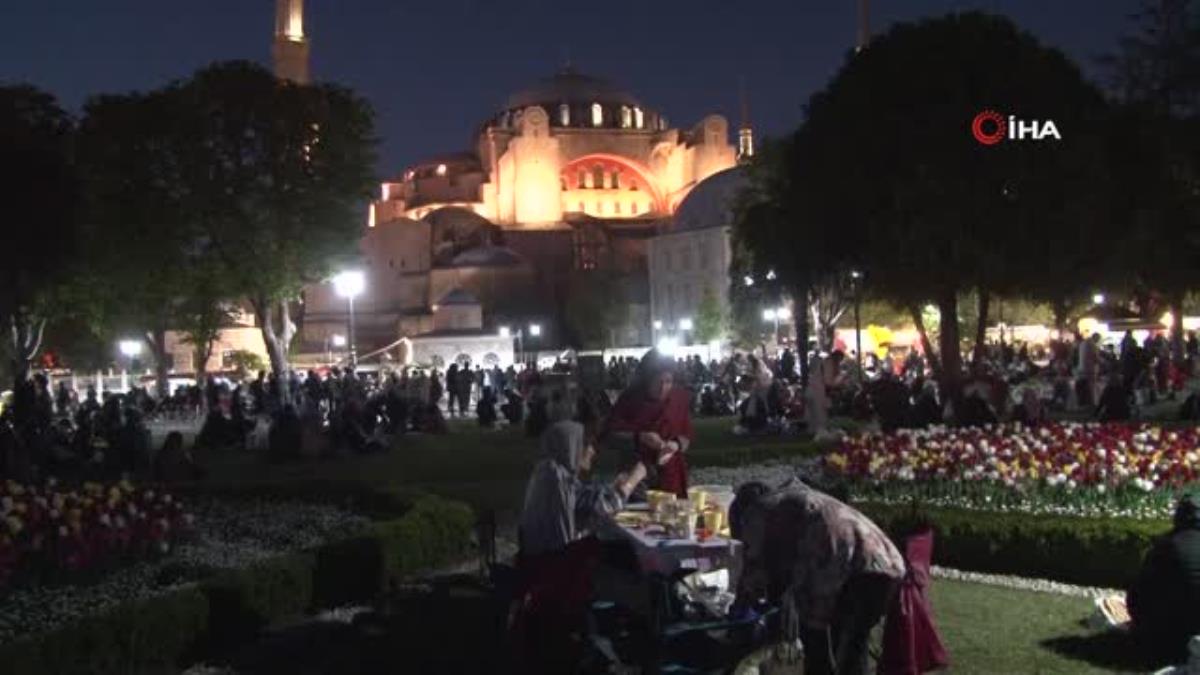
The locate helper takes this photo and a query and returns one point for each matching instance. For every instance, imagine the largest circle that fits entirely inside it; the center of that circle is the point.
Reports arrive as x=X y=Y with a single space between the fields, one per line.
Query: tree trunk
x=801 y=299
x=1175 y=302
x=935 y=364
x=1059 y=307
x=26 y=342
x=157 y=340
x=951 y=380
x=203 y=354
x=277 y=342
x=981 y=326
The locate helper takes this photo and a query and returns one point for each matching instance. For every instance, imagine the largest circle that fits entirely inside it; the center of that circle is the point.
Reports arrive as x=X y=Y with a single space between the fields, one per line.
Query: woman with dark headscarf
x=1164 y=602
x=655 y=415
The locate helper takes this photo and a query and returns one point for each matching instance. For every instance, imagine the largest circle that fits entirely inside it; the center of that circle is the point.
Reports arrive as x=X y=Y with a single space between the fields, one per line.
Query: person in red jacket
x=655 y=415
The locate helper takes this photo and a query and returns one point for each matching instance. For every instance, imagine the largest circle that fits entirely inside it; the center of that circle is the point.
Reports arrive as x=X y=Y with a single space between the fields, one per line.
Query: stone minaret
x=290 y=51
x=745 y=131
x=864 y=25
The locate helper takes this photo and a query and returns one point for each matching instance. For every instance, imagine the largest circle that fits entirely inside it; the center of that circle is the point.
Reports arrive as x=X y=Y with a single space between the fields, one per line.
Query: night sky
x=435 y=69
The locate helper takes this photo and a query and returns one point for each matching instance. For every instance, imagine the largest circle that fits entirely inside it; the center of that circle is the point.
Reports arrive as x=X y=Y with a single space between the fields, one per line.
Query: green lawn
x=998 y=630
x=987 y=629
x=487 y=469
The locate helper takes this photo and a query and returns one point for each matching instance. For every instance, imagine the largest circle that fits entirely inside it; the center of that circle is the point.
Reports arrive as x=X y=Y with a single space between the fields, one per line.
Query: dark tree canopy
x=885 y=176
x=278 y=175
x=39 y=233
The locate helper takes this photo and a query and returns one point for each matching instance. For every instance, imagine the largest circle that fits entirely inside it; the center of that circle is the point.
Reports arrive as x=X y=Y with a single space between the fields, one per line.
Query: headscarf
x=1187 y=513
x=653 y=364
x=563 y=442
x=548 y=517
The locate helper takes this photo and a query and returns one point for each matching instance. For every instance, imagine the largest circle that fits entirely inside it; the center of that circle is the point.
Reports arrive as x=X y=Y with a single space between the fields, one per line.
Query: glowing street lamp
x=667 y=345
x=1098 y=299
x=130 y=348
x=504 y=331
x=535 y=330
x=339 y=340
x=349 y=284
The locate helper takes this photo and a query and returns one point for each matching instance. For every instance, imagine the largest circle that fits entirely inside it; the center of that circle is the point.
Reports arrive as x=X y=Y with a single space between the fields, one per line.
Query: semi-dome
x=487 y=256
x=455 y=217
x=712 y=201
x=458 y=296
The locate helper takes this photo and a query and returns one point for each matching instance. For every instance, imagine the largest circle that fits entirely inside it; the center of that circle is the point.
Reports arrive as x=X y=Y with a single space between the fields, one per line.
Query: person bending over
x=831 y=569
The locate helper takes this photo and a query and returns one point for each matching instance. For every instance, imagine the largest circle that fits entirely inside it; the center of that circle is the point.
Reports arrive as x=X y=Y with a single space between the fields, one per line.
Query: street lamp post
x=349 y=284
x=685 y=327
x=506 y=332
x=535 y=331
x=130 y=349
x=855 y=276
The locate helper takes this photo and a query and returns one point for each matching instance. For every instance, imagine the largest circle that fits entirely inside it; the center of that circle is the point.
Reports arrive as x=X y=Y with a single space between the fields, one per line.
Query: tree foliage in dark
x=885 y=176
x=39 y=232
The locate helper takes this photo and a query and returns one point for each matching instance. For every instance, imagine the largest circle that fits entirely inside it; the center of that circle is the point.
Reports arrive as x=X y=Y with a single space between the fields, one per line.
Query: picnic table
x=659 y=553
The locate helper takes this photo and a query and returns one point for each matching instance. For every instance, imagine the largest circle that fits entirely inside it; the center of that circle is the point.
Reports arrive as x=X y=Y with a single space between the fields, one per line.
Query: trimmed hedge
x=1088 y=551
x=157 y=634
x=149 y=635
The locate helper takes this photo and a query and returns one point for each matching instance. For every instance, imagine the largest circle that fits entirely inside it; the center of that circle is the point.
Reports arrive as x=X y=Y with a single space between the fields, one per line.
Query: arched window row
x=594 y=115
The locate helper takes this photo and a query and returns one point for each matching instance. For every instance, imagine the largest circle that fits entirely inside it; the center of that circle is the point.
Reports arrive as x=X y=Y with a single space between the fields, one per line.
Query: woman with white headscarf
x=559 y=506
x=557 y=557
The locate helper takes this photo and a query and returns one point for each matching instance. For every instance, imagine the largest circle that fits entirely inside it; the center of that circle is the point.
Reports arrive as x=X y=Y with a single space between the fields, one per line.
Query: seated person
x=485 y=409
x=513 y=408
x=557 y=557
x=1114 y=403
x=834 y=571
x=1030 y=410
x=173 y=463
x=976 y=411
x=926 y=410
x=1165 y=599
x=889 y=398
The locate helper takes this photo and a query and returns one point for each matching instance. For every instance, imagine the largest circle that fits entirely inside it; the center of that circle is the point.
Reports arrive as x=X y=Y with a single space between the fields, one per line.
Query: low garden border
x=417 y=532
x=1106 y=552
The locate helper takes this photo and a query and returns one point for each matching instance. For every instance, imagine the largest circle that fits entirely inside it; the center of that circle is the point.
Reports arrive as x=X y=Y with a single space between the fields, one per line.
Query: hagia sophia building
x=570 y=174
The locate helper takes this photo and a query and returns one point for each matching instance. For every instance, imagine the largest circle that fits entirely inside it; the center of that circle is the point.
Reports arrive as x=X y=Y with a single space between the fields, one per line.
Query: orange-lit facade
x=571 y=174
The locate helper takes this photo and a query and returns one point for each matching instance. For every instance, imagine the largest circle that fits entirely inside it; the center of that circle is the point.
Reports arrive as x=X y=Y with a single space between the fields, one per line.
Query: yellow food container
x=698 y=497
x=714 y=521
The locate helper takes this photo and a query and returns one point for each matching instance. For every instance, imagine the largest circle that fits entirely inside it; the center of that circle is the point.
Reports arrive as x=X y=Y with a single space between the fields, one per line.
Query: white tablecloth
x=656 y=553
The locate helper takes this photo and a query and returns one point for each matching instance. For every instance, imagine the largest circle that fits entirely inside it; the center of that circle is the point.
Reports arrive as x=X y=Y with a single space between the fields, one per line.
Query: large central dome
x=568 y=86
x=572 y=99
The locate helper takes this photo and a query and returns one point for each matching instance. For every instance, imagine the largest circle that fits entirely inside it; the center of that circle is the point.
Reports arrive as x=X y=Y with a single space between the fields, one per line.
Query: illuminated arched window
x=633 y=209
x=616 y=180
x=626 y=117
x=564 y=115
x=597 y=115
x=639 y=119
x=599 y=208
x=598 y=177
x=617 y=208
x=582 y=180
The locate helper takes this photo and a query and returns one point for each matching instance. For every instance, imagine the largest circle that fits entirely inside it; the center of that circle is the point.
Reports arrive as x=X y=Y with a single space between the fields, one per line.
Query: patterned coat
x=803 y=546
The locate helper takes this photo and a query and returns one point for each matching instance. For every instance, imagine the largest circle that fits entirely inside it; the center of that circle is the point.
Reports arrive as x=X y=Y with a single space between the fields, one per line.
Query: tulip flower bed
x=70 y=553
x=51 y=533
x=1102 y=470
